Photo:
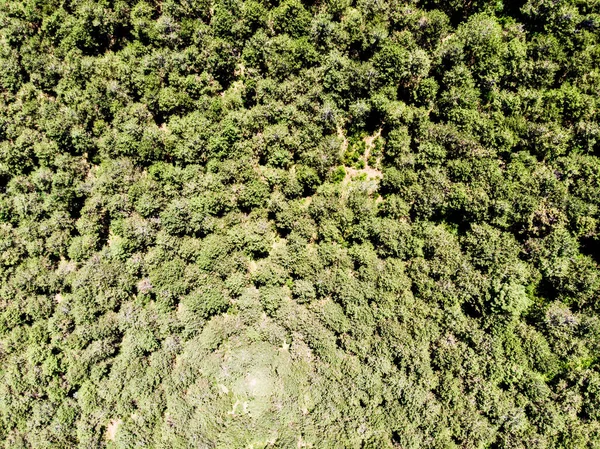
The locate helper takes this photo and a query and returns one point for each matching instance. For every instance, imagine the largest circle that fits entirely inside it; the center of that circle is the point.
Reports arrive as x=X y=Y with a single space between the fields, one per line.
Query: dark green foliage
x=335 y=224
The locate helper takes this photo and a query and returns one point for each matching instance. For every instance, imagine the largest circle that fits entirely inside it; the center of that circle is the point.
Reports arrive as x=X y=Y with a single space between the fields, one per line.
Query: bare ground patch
x=111 y=429
x=370 y=172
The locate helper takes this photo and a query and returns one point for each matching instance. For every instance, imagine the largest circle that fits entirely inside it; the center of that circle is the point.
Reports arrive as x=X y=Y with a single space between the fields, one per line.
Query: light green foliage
x=284 y=224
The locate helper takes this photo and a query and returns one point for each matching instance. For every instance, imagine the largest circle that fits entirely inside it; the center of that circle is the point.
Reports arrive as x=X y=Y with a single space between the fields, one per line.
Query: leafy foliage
x=335 y=224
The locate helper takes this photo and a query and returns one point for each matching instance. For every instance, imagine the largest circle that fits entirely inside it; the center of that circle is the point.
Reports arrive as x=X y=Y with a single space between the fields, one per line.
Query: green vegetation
x=291 y=224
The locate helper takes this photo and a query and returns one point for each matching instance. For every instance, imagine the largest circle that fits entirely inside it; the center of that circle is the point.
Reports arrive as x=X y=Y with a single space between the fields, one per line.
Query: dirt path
x=111 y=429
x=352 y=172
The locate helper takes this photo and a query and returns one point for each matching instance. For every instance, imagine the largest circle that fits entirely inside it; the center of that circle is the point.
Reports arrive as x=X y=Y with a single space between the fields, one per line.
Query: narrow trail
x=351 y=172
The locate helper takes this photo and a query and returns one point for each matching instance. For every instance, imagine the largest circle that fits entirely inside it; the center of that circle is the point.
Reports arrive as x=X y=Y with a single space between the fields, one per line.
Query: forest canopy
x=357 y=224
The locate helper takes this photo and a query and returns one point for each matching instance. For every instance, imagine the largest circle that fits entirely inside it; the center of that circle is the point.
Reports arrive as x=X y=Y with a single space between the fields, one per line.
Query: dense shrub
x=336 y=224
